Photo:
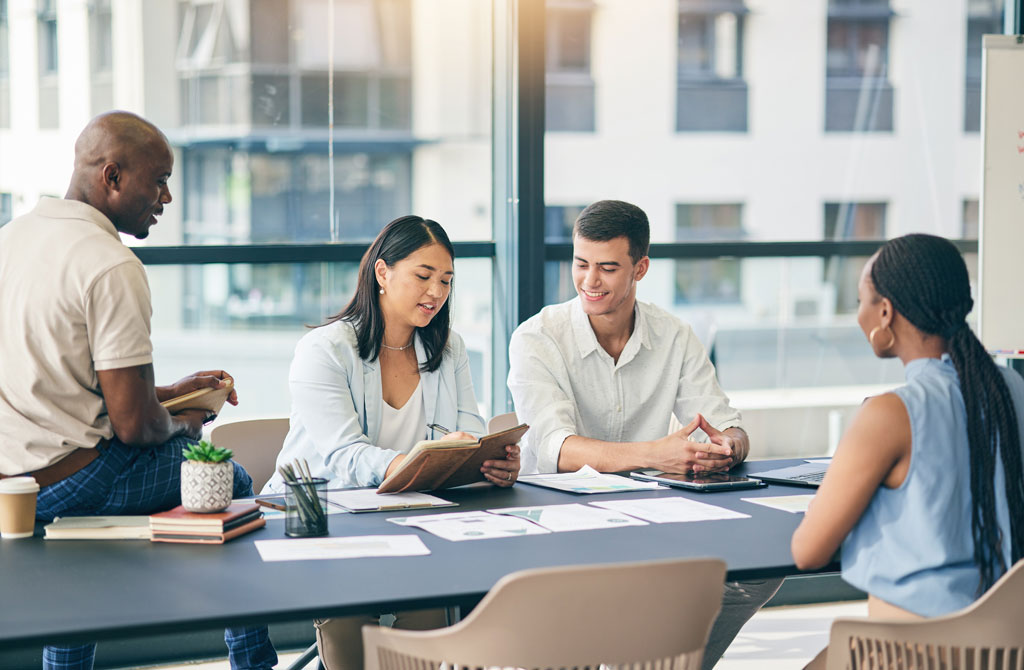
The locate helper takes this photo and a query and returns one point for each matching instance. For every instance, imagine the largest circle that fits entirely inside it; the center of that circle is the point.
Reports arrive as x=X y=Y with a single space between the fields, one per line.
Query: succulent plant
x=205 y=452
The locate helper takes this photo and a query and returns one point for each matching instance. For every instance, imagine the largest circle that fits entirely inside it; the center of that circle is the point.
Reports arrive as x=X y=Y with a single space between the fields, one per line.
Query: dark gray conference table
x=93 y=590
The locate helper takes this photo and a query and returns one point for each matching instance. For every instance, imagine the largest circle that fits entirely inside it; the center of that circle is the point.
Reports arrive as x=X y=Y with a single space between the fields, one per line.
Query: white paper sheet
x=564 y=518
x=588 y=480
x=670 y=510
x=826 y=461
x=794 y=504
x=459 y=526
x=368 y=500
x=320 y=548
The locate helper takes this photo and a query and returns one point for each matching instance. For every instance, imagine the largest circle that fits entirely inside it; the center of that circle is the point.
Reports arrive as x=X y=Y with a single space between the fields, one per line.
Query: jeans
x=137 y=480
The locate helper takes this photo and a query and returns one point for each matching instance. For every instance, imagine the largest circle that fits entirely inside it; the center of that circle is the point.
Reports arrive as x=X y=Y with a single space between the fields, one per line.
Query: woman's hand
x=457 y=435
x=503 y=472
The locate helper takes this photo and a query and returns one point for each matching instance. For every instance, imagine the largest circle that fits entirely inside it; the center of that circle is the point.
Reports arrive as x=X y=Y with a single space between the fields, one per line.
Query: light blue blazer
x=337 y=405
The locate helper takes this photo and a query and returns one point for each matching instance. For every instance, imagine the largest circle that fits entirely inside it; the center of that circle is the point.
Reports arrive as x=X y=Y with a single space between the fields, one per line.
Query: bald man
x=78 y=406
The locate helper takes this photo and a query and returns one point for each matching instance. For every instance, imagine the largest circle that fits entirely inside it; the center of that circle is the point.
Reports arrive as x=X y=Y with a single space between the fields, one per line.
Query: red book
x=180 y=520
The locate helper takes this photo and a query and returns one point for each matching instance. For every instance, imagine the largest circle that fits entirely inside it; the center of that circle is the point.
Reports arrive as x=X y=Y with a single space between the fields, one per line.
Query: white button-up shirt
x=564 y=383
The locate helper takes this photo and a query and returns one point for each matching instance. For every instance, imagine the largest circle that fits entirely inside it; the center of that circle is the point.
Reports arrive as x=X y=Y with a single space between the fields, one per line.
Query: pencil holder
x=306 y=508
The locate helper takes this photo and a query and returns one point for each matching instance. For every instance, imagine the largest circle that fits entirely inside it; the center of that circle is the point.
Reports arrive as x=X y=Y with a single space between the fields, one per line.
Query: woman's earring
x=382 y=290
x=875 y=331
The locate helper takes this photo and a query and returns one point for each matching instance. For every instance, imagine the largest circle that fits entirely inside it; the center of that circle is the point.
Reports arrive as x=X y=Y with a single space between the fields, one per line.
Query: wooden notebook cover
x=199 y=537
x=179 y=516
x=210 y=399
x=436 y=466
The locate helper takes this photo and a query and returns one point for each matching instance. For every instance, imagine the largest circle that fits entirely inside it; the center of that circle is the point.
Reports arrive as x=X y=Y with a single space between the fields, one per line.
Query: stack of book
x=98 y=528
x=179 y=525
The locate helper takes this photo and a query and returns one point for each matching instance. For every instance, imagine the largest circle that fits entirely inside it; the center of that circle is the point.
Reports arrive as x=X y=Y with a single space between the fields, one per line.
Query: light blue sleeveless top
x=912 y=547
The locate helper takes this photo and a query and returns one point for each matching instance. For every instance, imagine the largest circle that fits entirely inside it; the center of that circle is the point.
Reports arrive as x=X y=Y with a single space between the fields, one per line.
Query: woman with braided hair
x=925 y=492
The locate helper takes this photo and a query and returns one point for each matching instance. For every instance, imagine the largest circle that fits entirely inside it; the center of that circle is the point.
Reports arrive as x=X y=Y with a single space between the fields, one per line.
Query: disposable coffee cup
x=18 y=507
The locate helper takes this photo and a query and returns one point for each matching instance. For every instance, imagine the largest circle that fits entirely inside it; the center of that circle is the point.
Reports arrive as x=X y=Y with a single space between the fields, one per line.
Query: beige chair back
x=256 y=444
x=987 y=635
x=502 y=422
x=631 y=615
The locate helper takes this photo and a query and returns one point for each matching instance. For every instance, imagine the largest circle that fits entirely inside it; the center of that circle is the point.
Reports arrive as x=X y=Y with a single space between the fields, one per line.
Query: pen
x=439 y=428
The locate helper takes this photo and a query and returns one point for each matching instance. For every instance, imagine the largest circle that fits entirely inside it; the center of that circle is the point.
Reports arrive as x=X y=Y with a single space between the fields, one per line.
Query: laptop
x=805 y=474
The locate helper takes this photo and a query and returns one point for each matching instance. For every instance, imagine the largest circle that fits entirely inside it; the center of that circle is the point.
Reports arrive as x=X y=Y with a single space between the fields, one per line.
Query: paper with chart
x=459 y=526
x=588 y=480
x=793 y=504
x=670 y=510
x=368 y=500
x=563 y=518
x=321 y=548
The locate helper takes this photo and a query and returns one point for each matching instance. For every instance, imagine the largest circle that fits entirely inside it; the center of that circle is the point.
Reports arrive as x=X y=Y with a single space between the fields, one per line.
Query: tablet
x=706 y=482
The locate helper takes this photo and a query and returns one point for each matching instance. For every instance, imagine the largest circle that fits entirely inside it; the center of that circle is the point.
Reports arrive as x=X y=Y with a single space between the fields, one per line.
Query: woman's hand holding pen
x=503 y=472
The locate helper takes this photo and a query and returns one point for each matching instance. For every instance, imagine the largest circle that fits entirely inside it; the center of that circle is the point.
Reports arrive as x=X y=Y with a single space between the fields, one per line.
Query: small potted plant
x=207 y=478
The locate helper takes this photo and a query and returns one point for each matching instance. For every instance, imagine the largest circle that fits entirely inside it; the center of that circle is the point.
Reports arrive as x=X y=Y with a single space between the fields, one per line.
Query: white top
x=74 y=300
x=401 y=429
x=564 y=383
x=338 y=405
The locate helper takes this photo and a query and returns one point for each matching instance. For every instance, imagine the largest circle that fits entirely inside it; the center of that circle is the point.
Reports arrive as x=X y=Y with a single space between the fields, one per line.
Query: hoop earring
x=874 y=331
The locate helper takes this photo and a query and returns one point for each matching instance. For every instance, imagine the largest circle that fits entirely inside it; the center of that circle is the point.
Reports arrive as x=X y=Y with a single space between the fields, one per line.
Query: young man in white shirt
x=599 y=377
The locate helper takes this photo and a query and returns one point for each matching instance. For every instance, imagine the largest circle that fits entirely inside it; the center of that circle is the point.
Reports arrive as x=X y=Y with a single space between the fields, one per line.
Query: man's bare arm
x=136 y=415
x=672 y=453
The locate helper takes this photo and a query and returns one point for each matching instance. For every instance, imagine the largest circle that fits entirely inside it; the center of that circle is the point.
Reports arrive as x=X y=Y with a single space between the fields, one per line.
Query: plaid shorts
x=126 y=480
x=139 y=480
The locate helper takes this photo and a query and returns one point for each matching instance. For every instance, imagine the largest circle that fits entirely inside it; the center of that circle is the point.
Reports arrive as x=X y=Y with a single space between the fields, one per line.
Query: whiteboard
x=1001 y=238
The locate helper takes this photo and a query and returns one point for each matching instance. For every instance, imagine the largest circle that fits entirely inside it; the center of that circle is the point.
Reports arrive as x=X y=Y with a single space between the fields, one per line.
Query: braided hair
x=926 y=280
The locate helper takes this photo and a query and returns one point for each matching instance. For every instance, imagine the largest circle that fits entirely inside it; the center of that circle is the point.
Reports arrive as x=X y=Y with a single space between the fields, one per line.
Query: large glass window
x=101 y=55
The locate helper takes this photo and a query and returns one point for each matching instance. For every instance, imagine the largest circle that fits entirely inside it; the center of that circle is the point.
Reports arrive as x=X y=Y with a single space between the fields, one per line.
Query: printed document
x=562 y=518
x=320 y=548
x=368 y=500
x=794 y=504
x=670 y=510
x=459 y=526
x=587 y=480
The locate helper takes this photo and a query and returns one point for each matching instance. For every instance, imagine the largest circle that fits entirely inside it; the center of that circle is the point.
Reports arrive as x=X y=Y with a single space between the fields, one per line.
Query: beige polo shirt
x=73 y=300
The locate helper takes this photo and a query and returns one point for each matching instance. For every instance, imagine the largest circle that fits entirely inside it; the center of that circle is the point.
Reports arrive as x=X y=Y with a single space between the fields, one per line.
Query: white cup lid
x=18 y=485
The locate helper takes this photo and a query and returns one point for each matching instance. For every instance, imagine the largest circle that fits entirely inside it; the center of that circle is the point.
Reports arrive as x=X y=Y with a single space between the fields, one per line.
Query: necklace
x=396 y=348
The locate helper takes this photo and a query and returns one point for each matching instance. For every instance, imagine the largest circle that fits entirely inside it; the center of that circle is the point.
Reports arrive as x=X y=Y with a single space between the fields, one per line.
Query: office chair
x=256 y=444
x=987 y=635
x=630 y=615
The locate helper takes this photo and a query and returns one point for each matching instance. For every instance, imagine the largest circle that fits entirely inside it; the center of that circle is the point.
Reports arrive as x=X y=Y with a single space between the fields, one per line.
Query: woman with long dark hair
x=368 y=384
x=925 y=492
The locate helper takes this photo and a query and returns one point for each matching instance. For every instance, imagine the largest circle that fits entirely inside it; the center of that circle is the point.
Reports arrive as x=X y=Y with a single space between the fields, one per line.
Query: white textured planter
x=206 y=487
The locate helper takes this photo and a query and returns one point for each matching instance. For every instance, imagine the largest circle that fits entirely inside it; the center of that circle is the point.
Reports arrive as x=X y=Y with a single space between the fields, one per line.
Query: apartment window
x=101 y=55
x=227 y=77
x=708 y=280
x=858 y=95
x=5 y=69
x=984 y=17
x=46 y=16
x=569 y=86
x=970 y=224
x=6 y=213
x=711 y=91
x=850 y=221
